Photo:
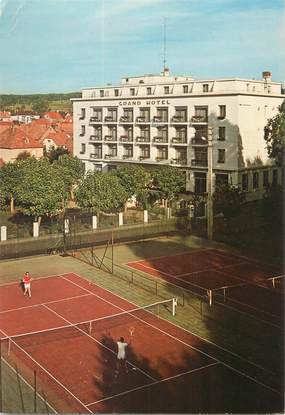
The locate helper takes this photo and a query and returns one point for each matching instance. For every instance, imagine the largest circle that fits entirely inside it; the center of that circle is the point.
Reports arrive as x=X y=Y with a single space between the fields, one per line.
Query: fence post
x=66 y=225
x=36 y=229
x=94 y=222
x=145 y=216
x=121 y=219
x=3 y=233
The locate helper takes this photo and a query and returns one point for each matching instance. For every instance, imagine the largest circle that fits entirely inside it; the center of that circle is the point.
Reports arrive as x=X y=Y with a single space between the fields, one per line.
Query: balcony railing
x=127 y=156
x=95 y=138
x=178 y=140
x=160 y=139
x=160 y=159
x=144 y=157
x=199 y=119
x=198 y=141
x=126 y=139
x=142 y=139
x=95 y=119
x=142 y=119
x=111 y=156
x=157 y=118
x=199 y=163
x=110 y=138
x=178 y=118
x=125 y=119
x=95 y=156
x=181 y=161
x=109 y=118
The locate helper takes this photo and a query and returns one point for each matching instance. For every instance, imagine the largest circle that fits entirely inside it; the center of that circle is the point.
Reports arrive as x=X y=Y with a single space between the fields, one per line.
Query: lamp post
x=210 y=185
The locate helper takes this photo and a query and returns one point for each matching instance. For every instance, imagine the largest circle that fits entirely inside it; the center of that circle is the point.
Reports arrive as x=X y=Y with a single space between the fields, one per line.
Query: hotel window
x=128 y=114
x=201 y=113
x=112 y=151
x=145 y=133
x=221 y=156
x=180 y=114
x=185 y=89
x=116 y=92
x=145 y=152
x=98 y=151
x=182 y=134
x=148 y=91
x=275 y=177
x=166 y=89
x=162 y=153
x=222 y=112
x=205 y=87
x=82 y=115
x=112 y=132
x=222 y=134
x=200 y=183
x=97 y=114
x=144 y=114
x=255 y=180
x=244 y=182
x=83 y=148
x=128 y=151
x=132 y=91
x=162 y=114
x=111 y=114
x=82 y=130
x=265 y=178
x=101 y=92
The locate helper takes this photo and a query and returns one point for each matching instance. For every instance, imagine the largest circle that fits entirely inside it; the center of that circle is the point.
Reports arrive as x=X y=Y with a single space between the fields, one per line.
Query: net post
x=174 y=305
x=273 y=282
x=224 y=292
x=35 y=391
x=9 y=346
x=90 y=327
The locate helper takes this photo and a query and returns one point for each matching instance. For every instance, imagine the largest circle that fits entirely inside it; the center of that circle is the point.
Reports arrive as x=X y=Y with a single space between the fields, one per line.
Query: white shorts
x=121 y=356
x=27 y=285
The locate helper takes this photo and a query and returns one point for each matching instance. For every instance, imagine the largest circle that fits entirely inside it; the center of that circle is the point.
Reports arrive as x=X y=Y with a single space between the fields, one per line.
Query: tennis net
x=124 y=322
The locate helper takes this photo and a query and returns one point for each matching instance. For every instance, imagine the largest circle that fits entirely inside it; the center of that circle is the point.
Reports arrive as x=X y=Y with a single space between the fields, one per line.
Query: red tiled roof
x=61 y=139
x=5 y=114
x=16 y=137
x=42 y=121
x=53 y=115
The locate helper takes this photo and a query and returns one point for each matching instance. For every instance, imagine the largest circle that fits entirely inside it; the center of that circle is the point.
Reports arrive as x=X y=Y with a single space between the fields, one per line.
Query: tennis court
x=67 y=333
x=254 y=288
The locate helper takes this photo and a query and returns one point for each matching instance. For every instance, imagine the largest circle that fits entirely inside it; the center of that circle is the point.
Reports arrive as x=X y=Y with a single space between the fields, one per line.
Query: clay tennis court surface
x=234 y=280
x=169 y=369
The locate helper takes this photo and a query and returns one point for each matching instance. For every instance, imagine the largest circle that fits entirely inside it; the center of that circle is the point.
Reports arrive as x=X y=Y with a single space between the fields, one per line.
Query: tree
x=10 y=179
x=274 y=135
x=23 y=156
x=55 y=153
x=100 y=192
x=71 y=170
x=134 y=180
x=42 y=189
x=228 y=200
x=169 y=181
x=40 y=106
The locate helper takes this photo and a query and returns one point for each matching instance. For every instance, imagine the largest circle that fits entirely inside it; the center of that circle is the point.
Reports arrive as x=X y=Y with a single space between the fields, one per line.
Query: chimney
x=166 y=72
x=266 y=75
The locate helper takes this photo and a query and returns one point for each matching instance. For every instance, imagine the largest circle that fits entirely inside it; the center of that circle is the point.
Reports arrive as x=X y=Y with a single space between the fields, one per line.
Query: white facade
x=159 y=120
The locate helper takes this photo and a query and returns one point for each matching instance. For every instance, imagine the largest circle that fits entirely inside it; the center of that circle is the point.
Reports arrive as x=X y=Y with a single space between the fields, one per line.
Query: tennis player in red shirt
x=27 y=284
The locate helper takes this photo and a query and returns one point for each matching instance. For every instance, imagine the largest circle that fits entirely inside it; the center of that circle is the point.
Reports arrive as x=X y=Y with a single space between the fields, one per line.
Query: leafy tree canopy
x=70 y=169
x=42 y=189
x=40 y=106
x=10 y=180
x=170 y=181
x=55 y=153
x=274 y=135
x=101 y=192
x=228 y=200
x=134 y=179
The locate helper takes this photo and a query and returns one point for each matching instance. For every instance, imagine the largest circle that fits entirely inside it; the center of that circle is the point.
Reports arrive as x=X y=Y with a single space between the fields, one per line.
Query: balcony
x=95 y=119
x=198 y=141
x=110 y=156
x=159 y=159
x=182 y=161
x=199 y=119
x=144 y=157
x=126 y=139
x=179 y=140
x=127 y=156
x=178 y=119
x=142 y=139
x=110 y=138
x=142 y=120
x=199 y=163
x=111 y=119
x=126 y=120
x=95 y=138
x=160 y=120
x=160 y=140
x=96 y=156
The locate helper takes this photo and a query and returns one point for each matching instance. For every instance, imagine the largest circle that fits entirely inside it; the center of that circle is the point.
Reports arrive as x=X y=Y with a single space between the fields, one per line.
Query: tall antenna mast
x=164 y=45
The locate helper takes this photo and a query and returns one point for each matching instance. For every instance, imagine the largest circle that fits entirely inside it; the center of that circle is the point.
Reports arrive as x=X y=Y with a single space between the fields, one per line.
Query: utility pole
x=210 y=185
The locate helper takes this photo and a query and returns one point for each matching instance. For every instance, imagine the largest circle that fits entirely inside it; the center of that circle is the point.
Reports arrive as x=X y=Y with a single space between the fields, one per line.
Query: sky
x=66 y=45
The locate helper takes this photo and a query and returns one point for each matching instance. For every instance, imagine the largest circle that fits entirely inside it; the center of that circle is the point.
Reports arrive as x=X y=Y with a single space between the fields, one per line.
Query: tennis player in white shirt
x=121 y=355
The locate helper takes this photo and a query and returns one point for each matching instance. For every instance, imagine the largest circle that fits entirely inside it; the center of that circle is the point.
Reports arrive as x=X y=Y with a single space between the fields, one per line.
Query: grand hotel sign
x=145 y=103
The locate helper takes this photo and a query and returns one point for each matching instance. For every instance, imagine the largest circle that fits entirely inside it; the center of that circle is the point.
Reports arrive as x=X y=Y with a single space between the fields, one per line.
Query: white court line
x=40 y=304
x=34 y=279
x=44 y=401
x=46 y=371
x=181 y=341
x=153 y=383
x=98 y=342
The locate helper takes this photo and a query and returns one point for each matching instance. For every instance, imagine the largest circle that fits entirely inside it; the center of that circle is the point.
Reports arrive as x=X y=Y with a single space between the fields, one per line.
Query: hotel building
x=157 y=120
